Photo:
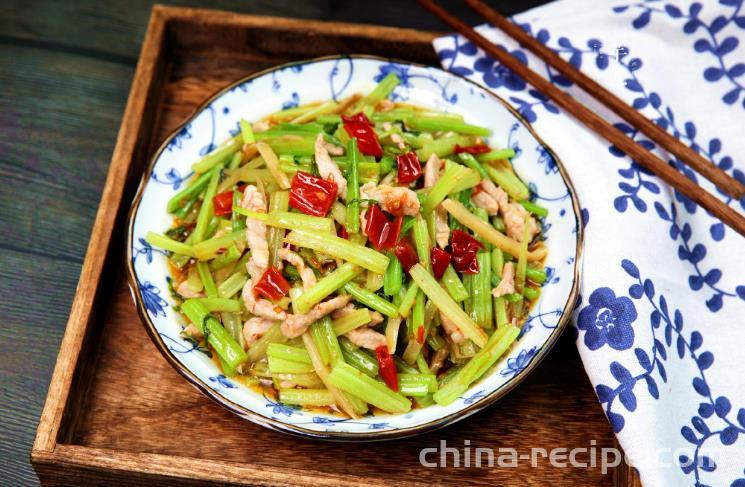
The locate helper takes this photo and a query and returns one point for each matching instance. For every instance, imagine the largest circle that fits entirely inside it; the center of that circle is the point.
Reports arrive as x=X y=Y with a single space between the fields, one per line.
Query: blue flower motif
x=518 y=364
x=401 y=71
x=181 y=135
x=473 y=398
x=151 y=298
x=172 y=177
x=496 y=75
x=222 y=381
x=279 y=408
x=545 y=157
x=607 y=319
x=293 y=102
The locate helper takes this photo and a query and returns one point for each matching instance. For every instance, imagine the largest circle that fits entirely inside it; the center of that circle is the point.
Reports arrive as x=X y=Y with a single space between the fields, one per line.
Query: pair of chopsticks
x=595 y=122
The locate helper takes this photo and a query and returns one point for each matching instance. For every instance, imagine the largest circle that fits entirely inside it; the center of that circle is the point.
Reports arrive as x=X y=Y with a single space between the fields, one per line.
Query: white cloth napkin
x=661 y=322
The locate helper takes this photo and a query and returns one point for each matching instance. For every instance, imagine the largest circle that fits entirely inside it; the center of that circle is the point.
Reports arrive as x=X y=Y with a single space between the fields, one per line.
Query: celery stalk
x=351 y=380
x=339 y=248
x=325 y=286
x=447 y=306
x=371 y=299
x=486 y=231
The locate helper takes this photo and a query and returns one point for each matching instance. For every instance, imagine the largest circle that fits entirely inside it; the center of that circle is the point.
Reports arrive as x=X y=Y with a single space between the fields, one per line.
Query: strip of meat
x=328 y=168
x=366 y=338
x=306 y=273
x=507 y=283
x=489 y=197
x=254 y=200
x=514 y=220
x=393 y=199
x=184 y=290
x=254 y=328
x=432 y=170
x=295 y=325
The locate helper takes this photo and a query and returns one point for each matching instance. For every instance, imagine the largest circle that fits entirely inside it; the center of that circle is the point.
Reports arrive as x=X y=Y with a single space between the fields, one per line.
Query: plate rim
x=377 y=435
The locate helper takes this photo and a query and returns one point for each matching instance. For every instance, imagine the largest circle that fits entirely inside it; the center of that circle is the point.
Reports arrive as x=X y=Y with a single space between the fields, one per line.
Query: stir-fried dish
x=356 y=255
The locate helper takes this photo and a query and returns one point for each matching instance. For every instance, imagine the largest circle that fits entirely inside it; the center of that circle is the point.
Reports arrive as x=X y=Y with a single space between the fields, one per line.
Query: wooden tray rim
x=46 y=450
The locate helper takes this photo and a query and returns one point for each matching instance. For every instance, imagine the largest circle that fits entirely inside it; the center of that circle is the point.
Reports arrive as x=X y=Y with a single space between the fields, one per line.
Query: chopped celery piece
x=247 y=132
x=165 y=243
x=325 y=286
x=287 y=352
x=453 y=284
x=257 y=351
x=445 y=124
x=496 y=154
x=206 y=276
x=351 y=380
x=446 y=305
x=217 y=336
x=339 y=248
x=408 y=300
x=232 y=284
x=221 y=304
x=218 y=156
x=306 y=397
x=225 y=259
x=534 y=209
x=283 y=366
x=190 y=192
x=508 y=181
x=371 y=299
x=485 y=230
x=497 y=345
x=352 y=320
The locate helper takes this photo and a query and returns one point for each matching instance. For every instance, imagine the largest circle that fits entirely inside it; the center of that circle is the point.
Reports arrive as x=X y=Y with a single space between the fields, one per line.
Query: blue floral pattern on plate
x=336 y=78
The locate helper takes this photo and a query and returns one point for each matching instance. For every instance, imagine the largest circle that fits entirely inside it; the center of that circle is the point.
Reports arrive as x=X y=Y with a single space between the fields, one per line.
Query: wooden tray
x=117 y=413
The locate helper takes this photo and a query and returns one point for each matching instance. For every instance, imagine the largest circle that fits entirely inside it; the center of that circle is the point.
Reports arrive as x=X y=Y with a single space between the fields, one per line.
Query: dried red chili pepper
x=272 y=285
x=406 y=254
x=359 y=126
x=311 y=194
x=474 y=149
x=463 y=248
x=440 y=261
x=386 y=367
x=381 y=232
x=409 y=167
x=223 y=203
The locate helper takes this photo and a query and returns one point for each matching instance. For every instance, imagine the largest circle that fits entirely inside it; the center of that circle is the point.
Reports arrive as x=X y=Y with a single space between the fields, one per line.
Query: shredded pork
x=366 y=338
x=507 y=283
x=327 y=168
x=254 y=328
x=295 y=325
x=431 y=176
x=306 y=273
x=397 y=200
x=254 y=200
x=184 y=290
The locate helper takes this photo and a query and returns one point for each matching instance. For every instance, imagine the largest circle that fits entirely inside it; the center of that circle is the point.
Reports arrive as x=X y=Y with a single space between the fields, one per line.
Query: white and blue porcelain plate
x=332 y=78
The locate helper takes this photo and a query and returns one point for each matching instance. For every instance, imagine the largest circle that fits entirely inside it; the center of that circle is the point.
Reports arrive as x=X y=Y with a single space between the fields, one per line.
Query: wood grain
x=137 y=403
x=65 y=69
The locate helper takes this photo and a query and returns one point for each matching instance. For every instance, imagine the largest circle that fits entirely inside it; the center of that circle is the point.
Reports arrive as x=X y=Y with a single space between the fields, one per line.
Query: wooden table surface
x=65 y=71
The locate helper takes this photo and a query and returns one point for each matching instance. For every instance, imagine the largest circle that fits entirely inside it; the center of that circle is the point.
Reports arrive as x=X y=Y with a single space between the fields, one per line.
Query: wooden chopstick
x=664 y=139
x=596 y=123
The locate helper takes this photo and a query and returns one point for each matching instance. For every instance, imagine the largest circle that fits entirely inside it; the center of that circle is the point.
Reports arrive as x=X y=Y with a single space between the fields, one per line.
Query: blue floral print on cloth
x=661 y=322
